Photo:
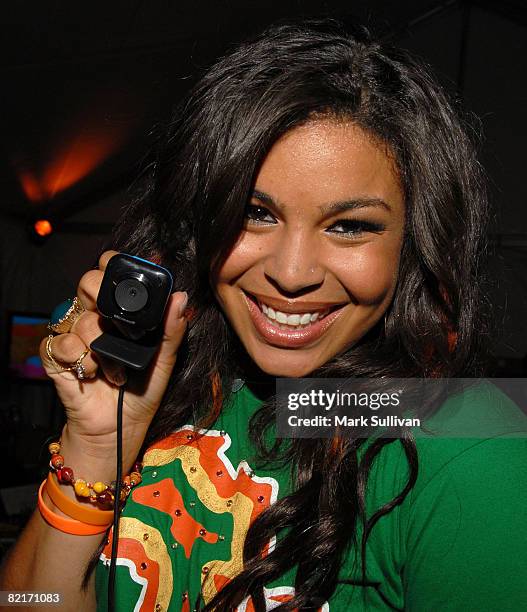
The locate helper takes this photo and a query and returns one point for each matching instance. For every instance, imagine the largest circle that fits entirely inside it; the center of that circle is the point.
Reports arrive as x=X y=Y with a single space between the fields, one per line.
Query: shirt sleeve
x=466 y=535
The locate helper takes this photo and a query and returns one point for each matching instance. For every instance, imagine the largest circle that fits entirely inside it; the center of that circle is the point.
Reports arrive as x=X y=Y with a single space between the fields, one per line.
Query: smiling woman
x=316 y=264
x=318 y=200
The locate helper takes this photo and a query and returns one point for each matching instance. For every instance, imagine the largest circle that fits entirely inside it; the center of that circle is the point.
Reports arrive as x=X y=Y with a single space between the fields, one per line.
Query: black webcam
x=133 y=294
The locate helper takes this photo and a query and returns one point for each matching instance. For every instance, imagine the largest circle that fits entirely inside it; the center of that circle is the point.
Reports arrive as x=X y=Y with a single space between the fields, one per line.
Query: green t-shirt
x=457 y=542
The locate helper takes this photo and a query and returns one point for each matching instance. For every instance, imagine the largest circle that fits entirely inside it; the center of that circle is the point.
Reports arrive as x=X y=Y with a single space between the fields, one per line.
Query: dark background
x=82 y=87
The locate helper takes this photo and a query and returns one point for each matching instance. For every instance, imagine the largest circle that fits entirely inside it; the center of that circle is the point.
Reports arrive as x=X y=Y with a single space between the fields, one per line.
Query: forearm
x=47 y=559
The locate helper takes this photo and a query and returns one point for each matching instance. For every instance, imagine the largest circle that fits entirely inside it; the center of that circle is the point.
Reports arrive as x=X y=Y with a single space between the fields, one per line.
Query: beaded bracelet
x=97 y=492
x=86 y=513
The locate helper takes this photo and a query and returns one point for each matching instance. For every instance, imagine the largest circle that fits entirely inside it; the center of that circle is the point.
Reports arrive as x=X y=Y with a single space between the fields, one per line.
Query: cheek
x=369 y=275
x=244 y=255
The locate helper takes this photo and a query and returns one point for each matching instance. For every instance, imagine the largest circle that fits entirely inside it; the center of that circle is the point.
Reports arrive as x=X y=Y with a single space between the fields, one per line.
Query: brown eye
x=352 y=228
x=259 y=214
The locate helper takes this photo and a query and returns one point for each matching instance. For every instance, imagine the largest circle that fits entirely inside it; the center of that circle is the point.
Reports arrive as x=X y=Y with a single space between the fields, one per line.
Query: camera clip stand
x=135 y=354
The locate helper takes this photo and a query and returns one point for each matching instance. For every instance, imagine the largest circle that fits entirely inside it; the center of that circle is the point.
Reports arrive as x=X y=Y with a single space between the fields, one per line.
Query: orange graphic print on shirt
x=227 y=496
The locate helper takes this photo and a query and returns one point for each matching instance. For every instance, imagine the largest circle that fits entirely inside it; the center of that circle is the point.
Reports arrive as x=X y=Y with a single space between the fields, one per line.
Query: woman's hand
x=91 y=404
x=88 y=441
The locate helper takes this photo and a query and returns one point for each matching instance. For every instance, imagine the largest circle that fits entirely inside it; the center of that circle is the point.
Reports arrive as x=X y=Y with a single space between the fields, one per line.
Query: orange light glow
x=82 y=147
x=79 y=155
x=31 y=186
x=43 y=227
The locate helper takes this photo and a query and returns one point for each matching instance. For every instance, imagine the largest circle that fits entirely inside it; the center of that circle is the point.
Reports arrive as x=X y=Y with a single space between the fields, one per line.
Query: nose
x=294 y=264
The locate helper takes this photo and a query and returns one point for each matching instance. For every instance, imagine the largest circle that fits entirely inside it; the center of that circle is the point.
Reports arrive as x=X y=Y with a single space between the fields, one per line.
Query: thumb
x=175 y=325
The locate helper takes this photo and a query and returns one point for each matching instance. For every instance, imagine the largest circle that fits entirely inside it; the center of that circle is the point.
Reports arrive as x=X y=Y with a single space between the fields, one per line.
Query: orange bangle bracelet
x=63 y=524
x=90 y=516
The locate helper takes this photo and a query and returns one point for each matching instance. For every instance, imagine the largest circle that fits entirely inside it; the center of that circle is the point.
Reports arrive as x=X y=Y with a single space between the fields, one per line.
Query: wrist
x=94 y=457
x=95 y=491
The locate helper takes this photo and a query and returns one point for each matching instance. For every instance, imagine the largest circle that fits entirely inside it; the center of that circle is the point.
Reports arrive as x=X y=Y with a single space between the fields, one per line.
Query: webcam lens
x=131 y=295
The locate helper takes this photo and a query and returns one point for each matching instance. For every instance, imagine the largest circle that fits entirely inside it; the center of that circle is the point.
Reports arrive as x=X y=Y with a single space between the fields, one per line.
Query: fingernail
x=182 y=305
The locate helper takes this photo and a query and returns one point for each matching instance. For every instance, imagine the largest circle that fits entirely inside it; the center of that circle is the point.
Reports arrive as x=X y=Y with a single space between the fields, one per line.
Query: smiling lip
x=296 y=306
x=289 y=339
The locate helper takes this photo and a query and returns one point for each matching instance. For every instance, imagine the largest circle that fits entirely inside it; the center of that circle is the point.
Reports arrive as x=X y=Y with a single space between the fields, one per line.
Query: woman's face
x=316 y=264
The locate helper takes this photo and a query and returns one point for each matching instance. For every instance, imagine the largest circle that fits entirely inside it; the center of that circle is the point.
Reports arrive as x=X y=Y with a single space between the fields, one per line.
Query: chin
x=285 y=367
x=287 y=372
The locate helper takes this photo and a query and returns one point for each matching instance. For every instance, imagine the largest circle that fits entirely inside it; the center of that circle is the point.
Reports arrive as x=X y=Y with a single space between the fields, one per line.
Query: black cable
x=116 y=504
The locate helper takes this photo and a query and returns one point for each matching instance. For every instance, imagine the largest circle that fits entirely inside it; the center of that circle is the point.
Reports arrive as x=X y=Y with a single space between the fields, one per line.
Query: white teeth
x=293 y=319
x=285 y=321
x=281 y=317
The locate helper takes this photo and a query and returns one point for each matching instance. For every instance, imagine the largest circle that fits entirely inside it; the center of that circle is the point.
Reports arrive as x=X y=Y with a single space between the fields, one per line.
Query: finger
x=90 y=282
x=88 y=288
x=105 y=258
x=113 y=372
x=174 y=330
x=90 y=326
x=66 y=349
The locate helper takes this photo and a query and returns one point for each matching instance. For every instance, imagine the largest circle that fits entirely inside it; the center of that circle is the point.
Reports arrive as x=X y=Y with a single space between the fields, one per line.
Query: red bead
x=57 y=461
x=105 y=499
x=66 y=474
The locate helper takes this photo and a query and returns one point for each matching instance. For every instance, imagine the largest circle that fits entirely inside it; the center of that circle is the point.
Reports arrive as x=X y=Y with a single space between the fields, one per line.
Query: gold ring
x=76 y=367
x=68 y=314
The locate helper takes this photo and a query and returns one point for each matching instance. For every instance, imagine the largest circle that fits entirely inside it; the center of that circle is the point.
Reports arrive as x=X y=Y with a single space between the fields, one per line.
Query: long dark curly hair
x=192 y=212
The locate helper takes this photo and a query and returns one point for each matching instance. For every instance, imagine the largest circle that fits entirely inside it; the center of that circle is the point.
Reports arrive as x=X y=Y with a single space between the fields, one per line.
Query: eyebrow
x=334 y=207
